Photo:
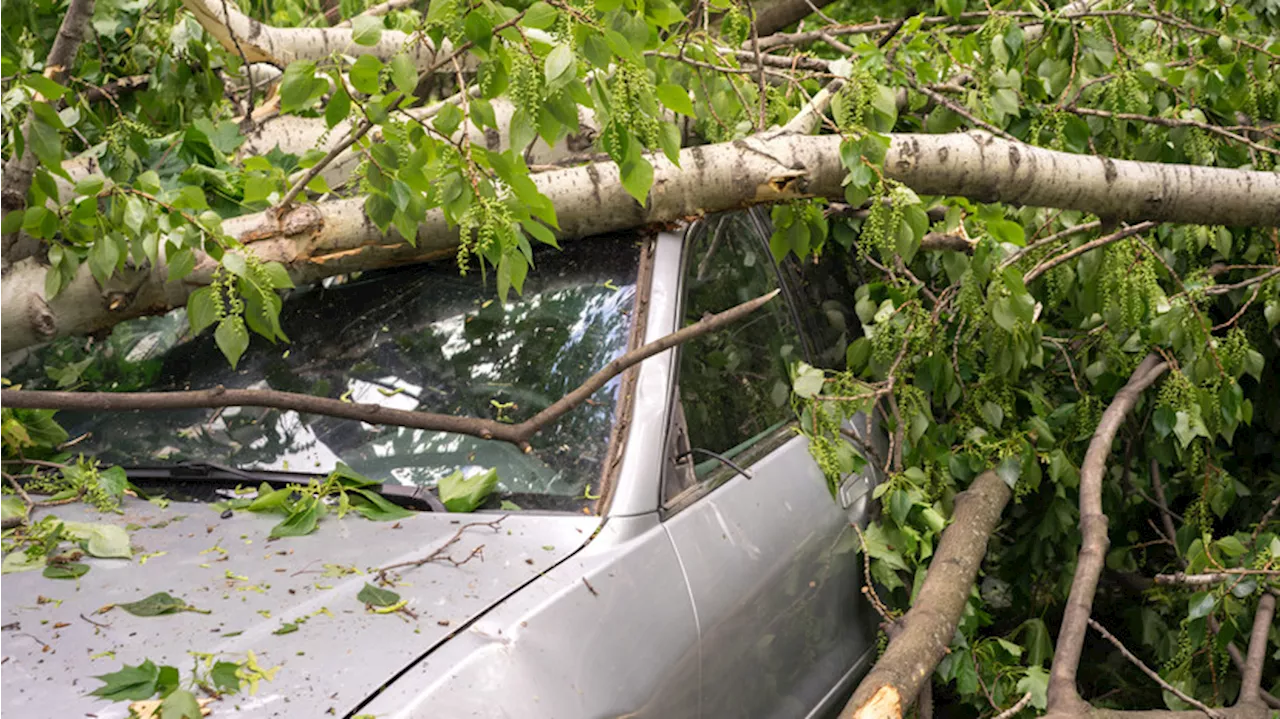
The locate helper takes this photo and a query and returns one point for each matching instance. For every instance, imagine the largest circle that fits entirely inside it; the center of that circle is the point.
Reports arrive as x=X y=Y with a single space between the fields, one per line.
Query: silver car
x=668 y=550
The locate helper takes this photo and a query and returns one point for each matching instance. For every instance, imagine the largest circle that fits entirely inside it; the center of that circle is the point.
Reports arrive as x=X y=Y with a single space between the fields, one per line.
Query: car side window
x=733 y=384
x=824 y=297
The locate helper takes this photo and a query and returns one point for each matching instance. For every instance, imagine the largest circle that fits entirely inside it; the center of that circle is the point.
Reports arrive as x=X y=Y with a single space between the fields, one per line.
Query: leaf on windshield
x=302 y=520
x=376 y=507
x=100 y=540
x=377 y=597
x=464 y=494
x=158 y=604
x=131 y=683
x=69 y=570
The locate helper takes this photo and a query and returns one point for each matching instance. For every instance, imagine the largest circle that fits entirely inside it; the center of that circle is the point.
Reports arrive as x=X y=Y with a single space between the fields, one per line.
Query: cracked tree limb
x=926 y=630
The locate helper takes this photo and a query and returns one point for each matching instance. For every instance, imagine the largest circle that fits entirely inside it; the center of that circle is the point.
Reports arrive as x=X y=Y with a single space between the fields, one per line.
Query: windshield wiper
x=415 y=497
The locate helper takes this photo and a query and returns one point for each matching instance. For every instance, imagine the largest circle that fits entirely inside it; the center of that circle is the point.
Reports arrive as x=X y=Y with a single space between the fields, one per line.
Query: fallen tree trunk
x=331 y=238
x=259 y=42
x=927 y=629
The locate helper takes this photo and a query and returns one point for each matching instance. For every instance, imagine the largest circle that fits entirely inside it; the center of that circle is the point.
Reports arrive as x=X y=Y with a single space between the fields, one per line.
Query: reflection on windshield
x=420 y=338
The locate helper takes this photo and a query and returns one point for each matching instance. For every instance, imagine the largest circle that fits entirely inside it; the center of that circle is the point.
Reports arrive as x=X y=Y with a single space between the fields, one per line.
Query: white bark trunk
x=281 y=46
x=335 y=237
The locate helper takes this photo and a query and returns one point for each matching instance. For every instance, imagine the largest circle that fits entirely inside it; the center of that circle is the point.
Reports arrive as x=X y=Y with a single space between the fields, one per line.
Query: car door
x=766 y=552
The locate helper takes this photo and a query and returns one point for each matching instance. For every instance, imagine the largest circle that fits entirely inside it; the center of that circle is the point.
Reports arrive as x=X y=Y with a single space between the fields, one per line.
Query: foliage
x=461 y=493
x=304 y=505
x=175 y=699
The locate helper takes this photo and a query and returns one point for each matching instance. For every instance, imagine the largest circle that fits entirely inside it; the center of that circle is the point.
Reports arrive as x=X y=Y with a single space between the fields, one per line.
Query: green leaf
x=223 y=676
x=103 y=257
x=366 y=30
x=1036 y=681
x=1231 y=546
x=301 y=521
x=993 y=413
x=464 y=494
x=107 y=541
x=180 y=704
x=69 y=570
x=338 y=108
x=232 y=338
x=374 y=506
x=1202 y=604
x=808 y=382
x=296 y=86
x=130 y=683
x=558 y=62
x=364 y=74
x=676 y=98
x=404 y=74
x=12 y=508
x=46 y=142
x=20 y=561
x=377 y=597
x=637 y=178
x=93 y=184
x=287 y=628
x=156 y=605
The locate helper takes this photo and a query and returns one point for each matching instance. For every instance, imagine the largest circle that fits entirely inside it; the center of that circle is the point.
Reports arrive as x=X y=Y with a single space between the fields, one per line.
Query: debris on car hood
x=313 y=606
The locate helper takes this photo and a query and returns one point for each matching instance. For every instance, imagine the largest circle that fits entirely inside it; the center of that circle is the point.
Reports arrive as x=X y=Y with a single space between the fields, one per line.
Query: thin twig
x=439 y=553
x=247 y=123
x=1151 y=673
x=1026 y=698
x=1056 y=260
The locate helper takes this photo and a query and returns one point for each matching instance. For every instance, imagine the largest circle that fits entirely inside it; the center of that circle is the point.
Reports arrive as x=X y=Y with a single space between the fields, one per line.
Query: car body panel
x=228 y=568
x=638 y=479
x=609 y=632
x=775 y=585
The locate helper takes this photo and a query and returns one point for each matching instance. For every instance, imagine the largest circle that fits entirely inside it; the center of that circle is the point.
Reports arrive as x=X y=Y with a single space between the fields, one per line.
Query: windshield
x=420 y=338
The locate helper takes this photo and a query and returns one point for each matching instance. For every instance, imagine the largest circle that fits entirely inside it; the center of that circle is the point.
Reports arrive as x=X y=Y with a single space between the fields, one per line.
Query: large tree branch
x=331 y=238
x=1063 y=695
x=260 y=42
x=928 y=627
x=518 y=434
x=1251 y=675
x=19 y=170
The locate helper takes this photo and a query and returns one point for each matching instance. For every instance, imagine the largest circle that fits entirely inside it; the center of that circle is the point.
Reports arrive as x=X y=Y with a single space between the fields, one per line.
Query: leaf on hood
x=66 y=570
x=100 y=540
x=377 y=597
x=133 y=683
x=158 y=604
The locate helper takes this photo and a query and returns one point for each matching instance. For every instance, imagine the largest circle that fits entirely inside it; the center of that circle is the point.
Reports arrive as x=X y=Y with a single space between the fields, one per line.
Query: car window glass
x=418 y=338
x=734 y=383
x=824 y=293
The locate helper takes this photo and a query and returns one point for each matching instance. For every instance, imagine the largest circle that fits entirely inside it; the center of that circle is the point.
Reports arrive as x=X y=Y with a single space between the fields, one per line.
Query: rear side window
x=734 y=383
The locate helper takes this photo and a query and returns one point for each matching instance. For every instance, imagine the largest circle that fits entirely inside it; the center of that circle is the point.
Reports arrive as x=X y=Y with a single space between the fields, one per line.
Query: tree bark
x=927 y=629
x=331 y=238
x=260 y=42
x=1063 y=695
x=20 y=169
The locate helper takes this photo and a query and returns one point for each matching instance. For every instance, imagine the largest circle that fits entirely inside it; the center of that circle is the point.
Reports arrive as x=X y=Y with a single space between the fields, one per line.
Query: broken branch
x=518 y=434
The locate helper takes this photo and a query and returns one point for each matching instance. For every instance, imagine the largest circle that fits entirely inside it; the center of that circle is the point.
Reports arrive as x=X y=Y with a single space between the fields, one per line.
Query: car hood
x=56 y=636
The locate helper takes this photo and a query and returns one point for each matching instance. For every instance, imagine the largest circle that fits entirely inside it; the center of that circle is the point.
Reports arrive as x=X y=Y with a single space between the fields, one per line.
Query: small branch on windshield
x=517 y=434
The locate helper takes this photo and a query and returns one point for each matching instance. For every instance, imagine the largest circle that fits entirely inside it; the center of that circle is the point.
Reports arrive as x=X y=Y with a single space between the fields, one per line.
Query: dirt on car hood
x=56 y=637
